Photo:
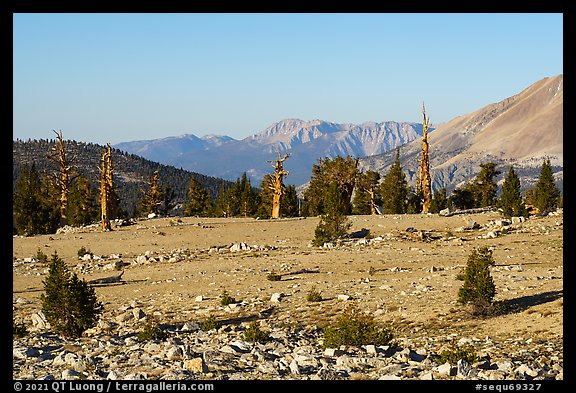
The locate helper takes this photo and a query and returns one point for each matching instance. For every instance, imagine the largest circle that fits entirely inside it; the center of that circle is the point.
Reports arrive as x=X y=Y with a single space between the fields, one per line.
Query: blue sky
x=110 y=78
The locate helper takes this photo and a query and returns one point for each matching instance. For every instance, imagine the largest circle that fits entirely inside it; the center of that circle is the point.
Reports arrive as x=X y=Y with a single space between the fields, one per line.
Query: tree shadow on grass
x=523 y=303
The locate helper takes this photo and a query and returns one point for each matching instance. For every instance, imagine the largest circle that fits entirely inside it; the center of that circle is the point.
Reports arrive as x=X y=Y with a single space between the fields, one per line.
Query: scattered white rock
x=39 y=320
x=333 y=352
x=276 y=297
x=389 y=377
x=463 y=368
x=138 y=313
x=445 y=369
x=114 y=375
x=294 y=369
x=23 y=353
x=527 y=370
x=239 y=247
x=174 y=353
x=141 y=259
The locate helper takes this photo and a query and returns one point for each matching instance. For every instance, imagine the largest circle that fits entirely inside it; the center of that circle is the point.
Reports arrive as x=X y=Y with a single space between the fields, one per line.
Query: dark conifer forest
x=131 y=172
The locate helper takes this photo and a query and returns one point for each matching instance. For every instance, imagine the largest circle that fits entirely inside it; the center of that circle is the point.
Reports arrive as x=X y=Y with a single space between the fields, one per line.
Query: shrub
x=152 y=331
x=226 y=299
x=69 y=304
x=457 y=352
x=314 y=295
x=355 y=328
x=254 y=335
x=42 y=258
x=478 y=288
x=273 y=276
x=83 y=251
x=210 y=323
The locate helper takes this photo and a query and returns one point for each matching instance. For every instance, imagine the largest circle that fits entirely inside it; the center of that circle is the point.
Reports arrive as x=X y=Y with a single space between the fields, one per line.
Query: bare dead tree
x=424 y=179
x=278 y=185
x=62 y=179
x=106 y=186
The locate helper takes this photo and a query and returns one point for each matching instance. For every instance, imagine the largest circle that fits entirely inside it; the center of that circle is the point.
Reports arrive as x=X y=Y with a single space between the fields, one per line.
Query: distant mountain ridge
x=521 y=130
x=306 y=141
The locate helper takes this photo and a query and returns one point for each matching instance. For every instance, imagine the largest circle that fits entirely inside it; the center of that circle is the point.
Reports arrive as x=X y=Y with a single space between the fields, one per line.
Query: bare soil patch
x=404 y=272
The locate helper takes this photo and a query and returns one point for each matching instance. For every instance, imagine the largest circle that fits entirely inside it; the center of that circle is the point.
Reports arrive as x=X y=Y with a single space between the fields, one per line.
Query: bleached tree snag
x=372 y=196
x=448 y=213
x=110 y=170
x=424 y=179
x=278 y=186
x=104 y=193
x=106 y=185
x=62 y=180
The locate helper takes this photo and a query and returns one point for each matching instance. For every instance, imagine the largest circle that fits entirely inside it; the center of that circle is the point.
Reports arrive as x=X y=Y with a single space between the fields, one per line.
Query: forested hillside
x=131 y=172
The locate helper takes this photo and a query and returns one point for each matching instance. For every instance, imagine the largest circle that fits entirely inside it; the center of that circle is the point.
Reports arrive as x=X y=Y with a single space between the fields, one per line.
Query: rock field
x=403 y=274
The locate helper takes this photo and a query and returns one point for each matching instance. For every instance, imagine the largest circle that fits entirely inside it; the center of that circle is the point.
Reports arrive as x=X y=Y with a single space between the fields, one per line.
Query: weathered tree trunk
x=370 y=192
x=62 y=182
x=424 y=179
x=448 y=213
x=278 y=185
x=106 y=184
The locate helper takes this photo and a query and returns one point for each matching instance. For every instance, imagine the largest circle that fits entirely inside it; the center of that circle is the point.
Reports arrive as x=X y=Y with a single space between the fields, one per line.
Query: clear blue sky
x=109 y=78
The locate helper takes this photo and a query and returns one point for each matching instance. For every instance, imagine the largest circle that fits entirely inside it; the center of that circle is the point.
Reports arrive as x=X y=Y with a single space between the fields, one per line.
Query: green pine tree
x=414 y=200
x=289 y=205
x=265 y=195
x=34 y=211
x=394 y=189
x=82 y=204
x=153 y=197
x=199 y=201
x=69 y=304
x=366 y=193
x=220 y=206
x=169 y=200
x=247 y=197
x=343 y=171
x=483 y=187
x=439 y=201
x=510 y=200
x=546 y=195
x=462 y=198
x=232 y=199
x=334 y=223
x=478 y=288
